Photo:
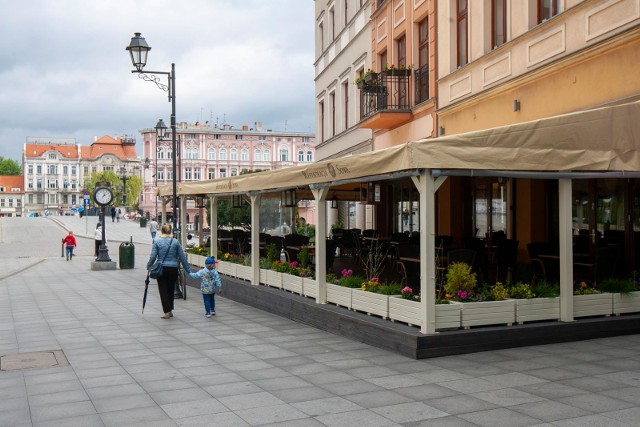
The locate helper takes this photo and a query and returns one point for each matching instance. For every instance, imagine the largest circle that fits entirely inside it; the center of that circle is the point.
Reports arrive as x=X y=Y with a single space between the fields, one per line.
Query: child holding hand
x=209 y=281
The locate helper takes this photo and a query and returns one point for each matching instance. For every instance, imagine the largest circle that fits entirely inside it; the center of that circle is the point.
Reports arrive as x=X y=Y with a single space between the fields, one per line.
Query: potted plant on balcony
x=392 y=70
x=366 y=80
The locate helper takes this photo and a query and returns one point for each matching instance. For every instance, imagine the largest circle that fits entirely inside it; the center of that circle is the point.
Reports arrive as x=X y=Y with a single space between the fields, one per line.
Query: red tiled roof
x=37 y=150
x=12 y=181
x=109 y=145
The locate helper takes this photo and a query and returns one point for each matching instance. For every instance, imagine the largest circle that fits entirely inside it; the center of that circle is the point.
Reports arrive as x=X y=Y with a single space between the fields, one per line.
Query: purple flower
x=462 y=294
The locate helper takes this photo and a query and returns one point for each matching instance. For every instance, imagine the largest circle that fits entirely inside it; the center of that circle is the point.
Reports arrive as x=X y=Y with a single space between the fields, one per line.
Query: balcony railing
x=386 y=92
x=422 y=84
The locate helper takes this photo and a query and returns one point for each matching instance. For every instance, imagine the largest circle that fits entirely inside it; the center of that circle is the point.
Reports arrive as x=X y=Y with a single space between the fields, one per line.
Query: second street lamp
x=139 y=49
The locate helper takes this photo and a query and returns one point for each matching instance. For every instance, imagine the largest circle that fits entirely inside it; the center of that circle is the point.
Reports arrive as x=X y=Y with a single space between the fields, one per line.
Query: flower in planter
x=407 y=292
x=498 y=292
x=346 y=273
x=371 y=285
x=583 y=288
x=521 y=291
x=364 y=75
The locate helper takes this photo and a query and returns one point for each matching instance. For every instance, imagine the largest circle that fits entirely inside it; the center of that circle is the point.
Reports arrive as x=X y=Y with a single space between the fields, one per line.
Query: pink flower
x=294 y=264
x=407 y=290
x=375 y=279
x=462 y=294
x=346 y=272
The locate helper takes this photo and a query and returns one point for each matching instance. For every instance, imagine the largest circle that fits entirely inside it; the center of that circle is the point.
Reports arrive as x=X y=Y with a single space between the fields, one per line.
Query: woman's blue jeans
x=209 y=303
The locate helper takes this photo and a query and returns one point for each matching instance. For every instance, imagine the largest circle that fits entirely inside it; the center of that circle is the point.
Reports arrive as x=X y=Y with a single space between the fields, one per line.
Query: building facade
x=11 y=195
x=208 y=152
x=55 y=170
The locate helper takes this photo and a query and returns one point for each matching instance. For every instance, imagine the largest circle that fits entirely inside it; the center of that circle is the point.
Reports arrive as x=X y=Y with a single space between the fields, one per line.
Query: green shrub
x=544 y=289
x=303 y=256
x=351 y=281
x=460 y=278
x=389 y=289
x=265 y=264
x=521 y=291
x=281 y=267
x=498 y=292
x=332 y=278
x=273 y=254
x=623 y=286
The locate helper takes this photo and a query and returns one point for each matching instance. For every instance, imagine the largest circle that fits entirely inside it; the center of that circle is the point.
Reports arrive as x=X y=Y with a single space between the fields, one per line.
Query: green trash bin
x=143 y=222
x=127 y=255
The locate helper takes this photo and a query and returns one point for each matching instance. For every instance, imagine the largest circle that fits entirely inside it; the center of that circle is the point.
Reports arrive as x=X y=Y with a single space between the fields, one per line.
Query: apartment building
x=11 y=195
x=342 y=56
x=211 y=151
x=55 y=169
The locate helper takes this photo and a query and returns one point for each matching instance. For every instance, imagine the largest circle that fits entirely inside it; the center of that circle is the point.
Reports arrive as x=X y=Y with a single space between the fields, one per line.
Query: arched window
x=160 y=153
x=266 y=155
x=211 y=154
x=309 y=156
x=257 y=155
x=169 y=154
x=223 y=154
x=301 y=156
x=284 y=155
x=244 y=155
x=234 y=154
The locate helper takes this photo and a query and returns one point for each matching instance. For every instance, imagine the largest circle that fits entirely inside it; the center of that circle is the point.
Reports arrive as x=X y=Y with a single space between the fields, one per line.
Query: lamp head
x=138 y=49
x=161 y=130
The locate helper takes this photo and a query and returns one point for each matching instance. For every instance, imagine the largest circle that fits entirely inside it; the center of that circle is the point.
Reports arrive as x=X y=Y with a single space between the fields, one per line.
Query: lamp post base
x=103 y=265
x=103 y=254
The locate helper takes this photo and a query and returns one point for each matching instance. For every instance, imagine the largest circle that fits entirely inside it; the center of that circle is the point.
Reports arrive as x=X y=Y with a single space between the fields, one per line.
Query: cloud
x=66 y=73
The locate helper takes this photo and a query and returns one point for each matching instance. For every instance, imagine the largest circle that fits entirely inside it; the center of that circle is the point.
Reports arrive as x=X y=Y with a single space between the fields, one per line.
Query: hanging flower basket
x=405 y=72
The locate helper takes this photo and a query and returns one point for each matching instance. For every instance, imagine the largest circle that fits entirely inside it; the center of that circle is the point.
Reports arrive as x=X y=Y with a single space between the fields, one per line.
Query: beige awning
x=600 y=140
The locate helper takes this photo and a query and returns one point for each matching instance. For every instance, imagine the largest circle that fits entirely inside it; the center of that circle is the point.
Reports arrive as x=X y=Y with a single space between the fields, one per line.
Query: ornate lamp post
x=124 y=178
x=139 y=49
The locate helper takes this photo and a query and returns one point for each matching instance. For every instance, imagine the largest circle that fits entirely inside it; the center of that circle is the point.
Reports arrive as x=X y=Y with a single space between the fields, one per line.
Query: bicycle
x=182 y=282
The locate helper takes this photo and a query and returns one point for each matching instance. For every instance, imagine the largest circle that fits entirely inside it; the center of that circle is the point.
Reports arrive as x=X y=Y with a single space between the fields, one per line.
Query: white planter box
x=407 y=311
x=448 y=316
x=274 y=279
x=263 y=276
x=224 y=267
x=487 y=313
x=528 y=310
x=309 y=287
x=197 y=260
x=626 y=303
x=244 y=272
x=592 y=305
x=292 y=283
x=339 y=295
x=370 y=303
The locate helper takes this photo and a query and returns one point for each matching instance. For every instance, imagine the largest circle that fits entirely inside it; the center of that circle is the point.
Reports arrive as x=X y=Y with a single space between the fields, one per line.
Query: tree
x=9 y=167
x=134 y=187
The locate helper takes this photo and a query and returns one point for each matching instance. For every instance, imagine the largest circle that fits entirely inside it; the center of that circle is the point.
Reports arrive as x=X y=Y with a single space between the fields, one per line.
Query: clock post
x=103 y=196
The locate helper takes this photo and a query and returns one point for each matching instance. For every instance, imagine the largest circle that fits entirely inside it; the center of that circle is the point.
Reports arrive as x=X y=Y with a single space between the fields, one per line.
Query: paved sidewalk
x=247 y=367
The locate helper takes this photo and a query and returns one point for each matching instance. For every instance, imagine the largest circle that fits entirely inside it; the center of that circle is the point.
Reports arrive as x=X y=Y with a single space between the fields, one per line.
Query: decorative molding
x=609 y=16
x=460 y=87
x=381 y=30
x=546 y=46
x=497 y=69
x=417 y=3
x=399 y=14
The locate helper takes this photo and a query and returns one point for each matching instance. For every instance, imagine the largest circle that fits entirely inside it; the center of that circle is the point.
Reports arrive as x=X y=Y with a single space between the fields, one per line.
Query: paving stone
x=330 y=405
x=500 y=417
x=407 y=412
x=355 y=418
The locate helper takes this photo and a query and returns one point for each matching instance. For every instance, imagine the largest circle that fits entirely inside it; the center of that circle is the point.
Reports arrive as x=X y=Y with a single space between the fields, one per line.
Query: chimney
x=245 y=127
x=258 y=126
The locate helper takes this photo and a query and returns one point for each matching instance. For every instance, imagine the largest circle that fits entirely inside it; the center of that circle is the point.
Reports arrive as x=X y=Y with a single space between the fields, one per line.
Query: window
x=196 y=174
x=52 y=170
x=94 y=169
x=161 y=153
x=322 y=118
x=212 y=173
x=223 y=173
x=170 y=174
x=332 y=102
x=216 y=136
x=187 y=173
x=499 y=22
x=211 y=154
x=39 y=169
x=262 y=138
x=2 y=203
x=233 y=154
x=234 y=172
x=107 y=168
x=332 y=24
x=401 y=46
x=244 y=154
x=422 y=73
x=192 y=154
x=65 y=183
x=65 y=170
x=73 y=199
x=30 y=169
x=309 y=156
x=321 y=36
x=30 y=184
x=223 y=154
x=160 y=174
x=40 y=198
x=284 y=155
x=169 y=154
x=52 y=156
x=10 y=203
x=301 y=156
x=74 y=185
x=238 y=137
x=305 y=139
x=74 y=170
x=19 y=203
x=30 y=198
x=462 y=33
x=39 y=184
x=257 y=155
x=346 y=12
x=86 y=170
x=52 y=199
x=52 y=183
x=65 y=199
x=345 y=103
x=266 y=155
x=547 y=9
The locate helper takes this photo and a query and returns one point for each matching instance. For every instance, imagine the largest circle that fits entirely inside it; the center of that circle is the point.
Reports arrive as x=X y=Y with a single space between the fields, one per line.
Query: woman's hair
x=166 y=229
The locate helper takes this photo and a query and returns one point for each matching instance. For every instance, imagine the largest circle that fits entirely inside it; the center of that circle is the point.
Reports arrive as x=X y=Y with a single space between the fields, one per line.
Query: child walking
x=70 y=242
x=210 y=280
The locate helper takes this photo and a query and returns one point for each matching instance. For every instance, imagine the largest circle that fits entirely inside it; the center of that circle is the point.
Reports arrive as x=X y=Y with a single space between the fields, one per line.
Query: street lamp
x=124 y=177
x=139 y=49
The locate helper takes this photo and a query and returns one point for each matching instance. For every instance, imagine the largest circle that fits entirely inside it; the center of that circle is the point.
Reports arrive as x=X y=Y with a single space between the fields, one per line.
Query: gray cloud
x=65 y=72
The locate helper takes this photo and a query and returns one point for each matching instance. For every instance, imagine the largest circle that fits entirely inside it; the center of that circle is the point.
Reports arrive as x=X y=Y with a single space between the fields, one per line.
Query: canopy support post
x=320 y=195
x=566 y=250
x=213 y=225
x=255 y=238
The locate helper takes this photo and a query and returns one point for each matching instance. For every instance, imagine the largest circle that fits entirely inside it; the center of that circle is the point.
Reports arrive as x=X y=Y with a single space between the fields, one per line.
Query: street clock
x=103 y=196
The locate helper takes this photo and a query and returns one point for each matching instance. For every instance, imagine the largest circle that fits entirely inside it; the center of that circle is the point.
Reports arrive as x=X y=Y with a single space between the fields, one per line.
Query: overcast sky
x=65 y=72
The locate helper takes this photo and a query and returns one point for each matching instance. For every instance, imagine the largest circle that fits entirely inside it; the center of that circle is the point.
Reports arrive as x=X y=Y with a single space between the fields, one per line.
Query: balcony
x=385 y=99
x=422 y=84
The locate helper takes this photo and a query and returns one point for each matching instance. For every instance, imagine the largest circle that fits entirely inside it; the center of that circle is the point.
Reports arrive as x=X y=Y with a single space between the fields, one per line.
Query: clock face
x=103 y=196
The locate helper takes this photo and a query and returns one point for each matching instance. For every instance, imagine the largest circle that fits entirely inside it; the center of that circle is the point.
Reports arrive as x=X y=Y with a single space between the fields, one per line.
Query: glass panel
x=610 y=211
x=480 y=208
x=498 y=207
x=635 y=213
x=580 y=207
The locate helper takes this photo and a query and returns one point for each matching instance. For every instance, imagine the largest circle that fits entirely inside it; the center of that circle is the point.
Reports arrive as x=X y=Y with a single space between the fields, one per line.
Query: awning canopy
x=600 y=140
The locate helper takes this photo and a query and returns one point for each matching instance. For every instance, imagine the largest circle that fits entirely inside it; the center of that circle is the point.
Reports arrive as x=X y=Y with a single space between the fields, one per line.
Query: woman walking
x=168 y=251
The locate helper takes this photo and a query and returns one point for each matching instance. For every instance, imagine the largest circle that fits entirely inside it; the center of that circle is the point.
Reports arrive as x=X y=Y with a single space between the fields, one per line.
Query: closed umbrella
x=146 y=290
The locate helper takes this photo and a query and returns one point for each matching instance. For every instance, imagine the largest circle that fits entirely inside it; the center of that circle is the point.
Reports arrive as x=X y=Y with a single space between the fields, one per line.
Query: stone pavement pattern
x=246 y=367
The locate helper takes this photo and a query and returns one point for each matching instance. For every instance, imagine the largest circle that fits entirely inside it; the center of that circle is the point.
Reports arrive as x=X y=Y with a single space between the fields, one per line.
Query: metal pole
x=172 y=89
x=156 y=179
